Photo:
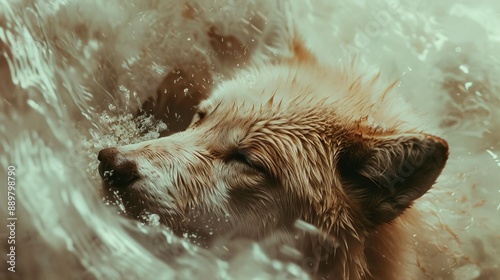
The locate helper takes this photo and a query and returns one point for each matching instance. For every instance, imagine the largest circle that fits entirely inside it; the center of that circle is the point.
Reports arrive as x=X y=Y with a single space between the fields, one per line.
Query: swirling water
x=72 y=74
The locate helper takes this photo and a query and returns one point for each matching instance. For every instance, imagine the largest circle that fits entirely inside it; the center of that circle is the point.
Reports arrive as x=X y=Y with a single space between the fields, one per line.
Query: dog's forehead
x=276 y=90
x=260 y=103
x=297 y=99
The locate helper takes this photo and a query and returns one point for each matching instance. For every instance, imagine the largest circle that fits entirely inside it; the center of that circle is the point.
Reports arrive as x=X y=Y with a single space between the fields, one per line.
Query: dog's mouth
x=115 y=178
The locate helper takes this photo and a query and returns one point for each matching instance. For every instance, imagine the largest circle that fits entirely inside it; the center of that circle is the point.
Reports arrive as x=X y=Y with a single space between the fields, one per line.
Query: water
x=73 y=74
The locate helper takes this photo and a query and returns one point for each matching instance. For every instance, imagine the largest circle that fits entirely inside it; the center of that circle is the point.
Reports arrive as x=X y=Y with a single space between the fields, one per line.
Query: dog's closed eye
x=240 y=156
x=197 y=118
x=201 y=114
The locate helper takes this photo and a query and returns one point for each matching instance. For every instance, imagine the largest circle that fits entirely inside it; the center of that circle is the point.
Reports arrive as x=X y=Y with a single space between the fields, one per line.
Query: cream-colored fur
x=286 y=141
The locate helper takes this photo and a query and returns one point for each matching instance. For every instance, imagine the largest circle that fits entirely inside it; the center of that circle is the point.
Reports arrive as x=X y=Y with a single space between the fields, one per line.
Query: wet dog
x=295 y=141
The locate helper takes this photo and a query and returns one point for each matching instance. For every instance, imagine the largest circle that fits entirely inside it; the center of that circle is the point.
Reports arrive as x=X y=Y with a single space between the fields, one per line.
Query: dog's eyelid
x=242 y=155
x=201 y=114
x=198 y=117
x=203 y=111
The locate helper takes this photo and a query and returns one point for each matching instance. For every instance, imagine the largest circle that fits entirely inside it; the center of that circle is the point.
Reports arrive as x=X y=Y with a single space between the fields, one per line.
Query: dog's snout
x=116 y=169
x=107 y=154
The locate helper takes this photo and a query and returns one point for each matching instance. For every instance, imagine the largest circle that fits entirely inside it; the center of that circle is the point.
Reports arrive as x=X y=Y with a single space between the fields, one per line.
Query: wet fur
x=294 y=140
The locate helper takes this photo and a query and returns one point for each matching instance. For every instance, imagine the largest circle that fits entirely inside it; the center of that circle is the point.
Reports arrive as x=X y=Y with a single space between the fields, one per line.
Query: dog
x=297 y=141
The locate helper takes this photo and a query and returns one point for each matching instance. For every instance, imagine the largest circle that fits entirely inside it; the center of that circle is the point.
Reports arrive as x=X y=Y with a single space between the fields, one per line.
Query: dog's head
x=271 y=147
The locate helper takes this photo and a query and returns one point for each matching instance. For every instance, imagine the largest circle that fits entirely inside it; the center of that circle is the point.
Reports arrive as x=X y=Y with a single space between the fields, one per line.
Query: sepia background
x=78 y=76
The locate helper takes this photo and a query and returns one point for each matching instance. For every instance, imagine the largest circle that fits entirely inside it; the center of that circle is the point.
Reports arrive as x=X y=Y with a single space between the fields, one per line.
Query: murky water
x=74 y=73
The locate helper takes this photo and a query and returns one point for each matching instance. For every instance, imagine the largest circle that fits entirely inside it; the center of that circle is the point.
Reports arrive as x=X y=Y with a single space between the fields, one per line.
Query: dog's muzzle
x=115 y=169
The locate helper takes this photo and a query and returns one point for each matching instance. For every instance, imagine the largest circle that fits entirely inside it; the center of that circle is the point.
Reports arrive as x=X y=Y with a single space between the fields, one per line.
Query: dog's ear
x=385 y=174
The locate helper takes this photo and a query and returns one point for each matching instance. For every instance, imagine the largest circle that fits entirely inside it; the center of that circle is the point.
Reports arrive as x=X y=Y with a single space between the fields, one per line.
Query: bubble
x=154 y=219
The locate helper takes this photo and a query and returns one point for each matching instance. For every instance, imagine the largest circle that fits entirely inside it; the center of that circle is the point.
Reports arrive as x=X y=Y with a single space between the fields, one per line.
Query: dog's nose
x=115 y=169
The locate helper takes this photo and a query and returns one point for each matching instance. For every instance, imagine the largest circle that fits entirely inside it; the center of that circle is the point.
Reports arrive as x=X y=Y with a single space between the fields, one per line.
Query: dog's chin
x=111 y=191
x=198 y=225
x=126 y=198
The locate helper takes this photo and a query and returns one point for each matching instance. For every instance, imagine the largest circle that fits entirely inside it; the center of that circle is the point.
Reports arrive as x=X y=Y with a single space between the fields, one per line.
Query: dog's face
x=258 y=157
x=223 y=174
